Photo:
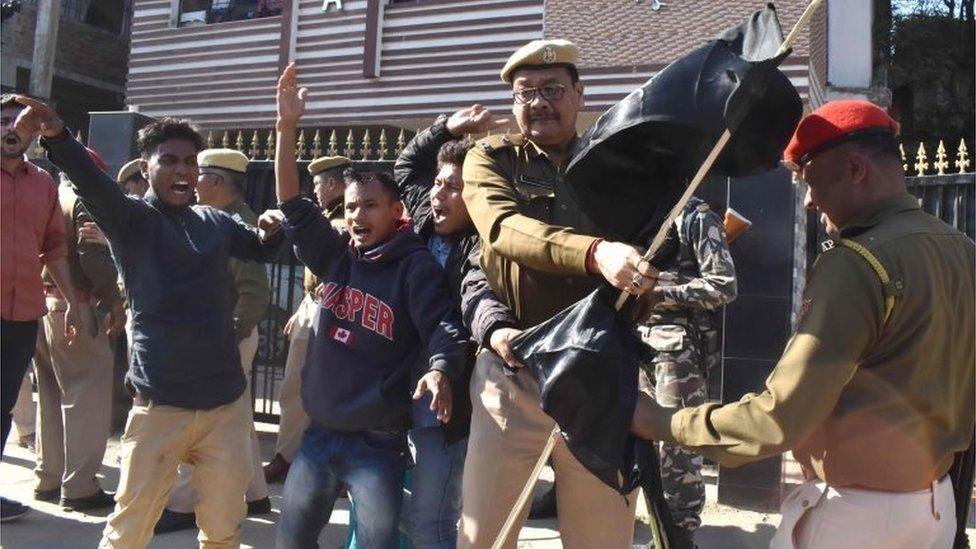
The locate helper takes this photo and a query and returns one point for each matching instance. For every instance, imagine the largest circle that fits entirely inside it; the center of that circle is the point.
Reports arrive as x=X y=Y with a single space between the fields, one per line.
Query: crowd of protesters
x=401 y=350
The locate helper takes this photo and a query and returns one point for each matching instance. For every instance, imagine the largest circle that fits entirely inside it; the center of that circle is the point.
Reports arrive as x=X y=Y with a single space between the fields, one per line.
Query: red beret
x=835 y=123
x=97 y=158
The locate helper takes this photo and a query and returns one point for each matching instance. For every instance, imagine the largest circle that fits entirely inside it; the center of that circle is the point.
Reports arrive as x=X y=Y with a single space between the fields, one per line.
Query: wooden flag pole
x=526 y=490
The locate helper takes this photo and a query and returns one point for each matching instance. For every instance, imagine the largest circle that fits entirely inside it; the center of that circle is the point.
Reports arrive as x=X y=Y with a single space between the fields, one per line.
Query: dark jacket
x=378 y=310
x=173 y=262
x=415 y=171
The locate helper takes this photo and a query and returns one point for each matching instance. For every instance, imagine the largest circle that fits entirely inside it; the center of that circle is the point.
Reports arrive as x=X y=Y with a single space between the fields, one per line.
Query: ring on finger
x=637 y=279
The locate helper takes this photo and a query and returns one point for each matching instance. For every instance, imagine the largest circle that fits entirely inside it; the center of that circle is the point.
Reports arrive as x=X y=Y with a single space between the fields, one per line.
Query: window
x=202 y=12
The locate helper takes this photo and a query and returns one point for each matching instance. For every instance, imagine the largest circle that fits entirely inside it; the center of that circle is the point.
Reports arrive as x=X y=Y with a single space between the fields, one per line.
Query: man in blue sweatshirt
x=383 y=305
x=189 y=402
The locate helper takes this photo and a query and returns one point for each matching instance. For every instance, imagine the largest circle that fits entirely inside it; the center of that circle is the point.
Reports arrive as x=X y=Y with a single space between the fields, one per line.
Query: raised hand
x=291 y=98
x=37 y=118
x=474 y=119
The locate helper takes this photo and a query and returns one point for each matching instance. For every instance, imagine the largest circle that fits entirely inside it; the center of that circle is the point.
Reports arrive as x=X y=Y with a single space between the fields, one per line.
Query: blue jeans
x=433 y=503
x=370 y=463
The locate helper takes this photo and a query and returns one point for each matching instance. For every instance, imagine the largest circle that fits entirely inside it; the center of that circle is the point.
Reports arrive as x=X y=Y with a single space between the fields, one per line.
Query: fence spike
x=382 y=147
x=300 y=146
x=904 y=161
x=271 y=145
x=80 y=138
x=317 y=145
x=350 y=150
x=255 y=146
x=239 y=142
x=941 y=163
x=210 y=139
x=962 y=157
x=225 y=141
x=333 y=144
x=367 y=145
x=401 y=142
x=921 y=160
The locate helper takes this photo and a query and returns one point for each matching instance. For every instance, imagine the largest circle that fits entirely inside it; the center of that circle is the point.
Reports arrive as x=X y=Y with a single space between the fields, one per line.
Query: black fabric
x=587 y=359
x=632 y=165
x=961 y=474
x=17 y=341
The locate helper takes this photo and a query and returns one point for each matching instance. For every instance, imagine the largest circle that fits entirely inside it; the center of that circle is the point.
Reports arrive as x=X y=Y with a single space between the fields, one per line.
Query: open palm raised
x=291 y=98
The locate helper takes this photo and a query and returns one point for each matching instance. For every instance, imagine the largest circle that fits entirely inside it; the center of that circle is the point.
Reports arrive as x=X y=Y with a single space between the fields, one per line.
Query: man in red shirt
x=31 y=236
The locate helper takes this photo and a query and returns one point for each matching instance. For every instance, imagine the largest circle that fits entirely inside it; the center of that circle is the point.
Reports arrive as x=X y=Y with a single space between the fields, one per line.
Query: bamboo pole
x=526 y=490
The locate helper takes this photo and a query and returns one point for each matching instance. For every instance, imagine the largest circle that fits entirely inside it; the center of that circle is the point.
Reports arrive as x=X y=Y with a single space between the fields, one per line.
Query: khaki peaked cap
x=540 y=53
x=131 y=168
x=319 y=165
x=226 y=159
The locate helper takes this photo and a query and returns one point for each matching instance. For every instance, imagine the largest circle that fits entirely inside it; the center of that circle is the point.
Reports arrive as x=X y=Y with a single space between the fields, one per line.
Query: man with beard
x=189 y=402
x=539 y=257
x=33 y=236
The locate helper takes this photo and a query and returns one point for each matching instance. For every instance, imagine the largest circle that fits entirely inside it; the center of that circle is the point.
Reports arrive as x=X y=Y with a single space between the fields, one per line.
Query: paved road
x=48 y=527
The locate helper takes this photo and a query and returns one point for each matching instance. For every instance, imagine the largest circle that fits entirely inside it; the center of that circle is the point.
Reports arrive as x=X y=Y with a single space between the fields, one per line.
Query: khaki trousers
x=74 y=403
x=508 y=433
x=816 y=515
x=23 y=412
x=183 y=498
x=294 y=420
x=157 y=438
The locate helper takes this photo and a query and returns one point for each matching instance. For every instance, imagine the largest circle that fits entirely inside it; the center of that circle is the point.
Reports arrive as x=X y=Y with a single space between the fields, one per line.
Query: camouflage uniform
x=683 y=332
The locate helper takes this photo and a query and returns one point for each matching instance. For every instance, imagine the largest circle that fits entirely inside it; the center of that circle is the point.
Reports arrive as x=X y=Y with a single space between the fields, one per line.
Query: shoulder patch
x=496 y=142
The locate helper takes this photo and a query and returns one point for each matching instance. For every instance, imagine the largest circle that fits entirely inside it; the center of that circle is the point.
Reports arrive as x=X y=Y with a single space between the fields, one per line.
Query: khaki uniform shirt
x=863 y=402
x=335 y=213
x=91 y=266
x=251 y=289
x=532 y=231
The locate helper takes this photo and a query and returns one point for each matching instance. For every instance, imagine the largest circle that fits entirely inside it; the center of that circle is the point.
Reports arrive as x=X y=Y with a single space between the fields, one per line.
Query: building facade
x=400 y=63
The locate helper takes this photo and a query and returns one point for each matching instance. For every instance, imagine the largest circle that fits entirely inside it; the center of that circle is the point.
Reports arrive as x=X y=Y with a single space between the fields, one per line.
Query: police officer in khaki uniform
x=539 y=256
x=329 y=187
x=131 y=180
x=875 y=390
x=74 y=379
x=221 y=185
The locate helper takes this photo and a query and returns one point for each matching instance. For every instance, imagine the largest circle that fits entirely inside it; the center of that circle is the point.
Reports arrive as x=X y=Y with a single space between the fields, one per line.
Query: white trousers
x=819 y=516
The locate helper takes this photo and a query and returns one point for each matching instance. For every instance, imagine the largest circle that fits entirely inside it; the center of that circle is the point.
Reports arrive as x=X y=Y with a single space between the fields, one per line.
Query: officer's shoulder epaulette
x=703 y=207
x=500 y=141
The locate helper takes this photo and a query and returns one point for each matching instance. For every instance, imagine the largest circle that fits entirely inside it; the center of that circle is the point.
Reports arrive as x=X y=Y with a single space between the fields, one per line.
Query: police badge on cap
x=541 y=53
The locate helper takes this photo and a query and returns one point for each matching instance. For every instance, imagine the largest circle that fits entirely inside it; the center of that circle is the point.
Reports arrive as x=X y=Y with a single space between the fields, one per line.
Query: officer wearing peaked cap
x=540 y=254
x=131 y=180
x=875 y=391
x=328 y=185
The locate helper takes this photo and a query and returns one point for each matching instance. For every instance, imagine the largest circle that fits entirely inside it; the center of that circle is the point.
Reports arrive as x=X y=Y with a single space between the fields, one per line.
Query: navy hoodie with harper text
x=379 y=311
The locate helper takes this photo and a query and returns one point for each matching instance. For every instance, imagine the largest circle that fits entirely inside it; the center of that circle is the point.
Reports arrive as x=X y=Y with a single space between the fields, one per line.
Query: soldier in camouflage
x=681 y=328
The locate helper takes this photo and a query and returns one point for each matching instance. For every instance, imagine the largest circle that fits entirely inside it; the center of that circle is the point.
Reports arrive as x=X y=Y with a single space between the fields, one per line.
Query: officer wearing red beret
x=875 y=390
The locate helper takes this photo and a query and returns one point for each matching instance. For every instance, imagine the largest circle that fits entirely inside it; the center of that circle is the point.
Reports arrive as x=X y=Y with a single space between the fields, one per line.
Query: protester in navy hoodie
x=383 y=302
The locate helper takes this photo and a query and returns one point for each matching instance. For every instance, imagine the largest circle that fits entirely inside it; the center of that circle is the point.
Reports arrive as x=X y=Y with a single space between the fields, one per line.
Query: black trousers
x=17 y=340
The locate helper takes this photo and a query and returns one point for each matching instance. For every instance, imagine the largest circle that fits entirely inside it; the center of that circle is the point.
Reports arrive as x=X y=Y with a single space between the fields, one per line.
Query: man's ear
x=398 y=209
x=858 y=166
x=144 y=169
x=580 y=101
